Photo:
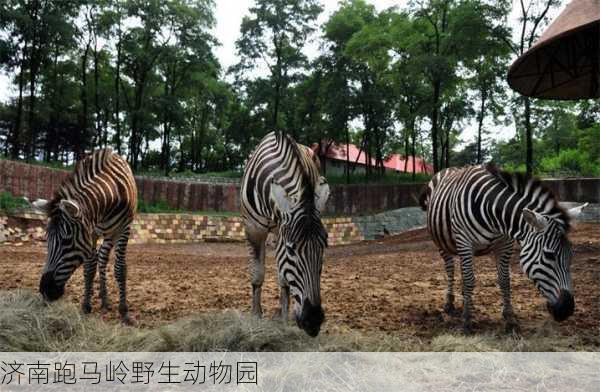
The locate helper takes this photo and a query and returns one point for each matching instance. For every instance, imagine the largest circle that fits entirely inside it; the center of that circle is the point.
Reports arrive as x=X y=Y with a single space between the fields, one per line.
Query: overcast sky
x=229 y=14
x=229 y=18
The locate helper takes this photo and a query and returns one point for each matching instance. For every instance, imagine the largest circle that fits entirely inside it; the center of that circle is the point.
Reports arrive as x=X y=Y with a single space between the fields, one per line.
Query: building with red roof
x=337 y=154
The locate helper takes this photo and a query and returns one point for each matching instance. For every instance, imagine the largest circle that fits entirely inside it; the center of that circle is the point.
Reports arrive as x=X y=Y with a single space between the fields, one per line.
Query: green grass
x=11 y=204
x=190 y=174
x=224 y=174
x=48 y=164
x=387 y=179
x=28 y=324
x=161 y=207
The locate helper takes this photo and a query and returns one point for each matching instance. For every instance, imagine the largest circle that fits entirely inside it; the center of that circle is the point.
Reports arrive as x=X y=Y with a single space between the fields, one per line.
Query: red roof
x=394 y=162
x=398 y=162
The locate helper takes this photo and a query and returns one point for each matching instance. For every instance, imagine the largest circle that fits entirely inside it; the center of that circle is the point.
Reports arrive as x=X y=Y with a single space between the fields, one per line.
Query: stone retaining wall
x=171 y=229
x=188 y=228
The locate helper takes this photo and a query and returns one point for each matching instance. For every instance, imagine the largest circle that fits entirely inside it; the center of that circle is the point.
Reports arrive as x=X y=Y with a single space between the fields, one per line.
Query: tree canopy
x=142 y=77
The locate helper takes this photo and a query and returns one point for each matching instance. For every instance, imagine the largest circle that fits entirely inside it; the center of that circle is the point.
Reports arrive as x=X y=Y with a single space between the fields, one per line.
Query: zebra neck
x=508 y=220
x=522 y=231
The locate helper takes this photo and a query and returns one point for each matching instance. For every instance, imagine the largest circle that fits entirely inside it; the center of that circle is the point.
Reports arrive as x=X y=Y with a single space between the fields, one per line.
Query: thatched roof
x=564 y=62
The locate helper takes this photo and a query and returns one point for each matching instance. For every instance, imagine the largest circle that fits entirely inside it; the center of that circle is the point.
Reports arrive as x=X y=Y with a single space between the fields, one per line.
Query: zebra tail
x=424 y=198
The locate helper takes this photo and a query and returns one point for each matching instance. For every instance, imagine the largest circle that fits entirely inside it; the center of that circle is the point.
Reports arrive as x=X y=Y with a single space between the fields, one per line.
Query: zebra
x=283 y=191
x=98 y=199
x=478 y=210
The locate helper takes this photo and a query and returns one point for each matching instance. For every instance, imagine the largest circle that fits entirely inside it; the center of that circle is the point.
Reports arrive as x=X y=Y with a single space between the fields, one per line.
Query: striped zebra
x=97 y=200
x=283 y=191
x=478 y=210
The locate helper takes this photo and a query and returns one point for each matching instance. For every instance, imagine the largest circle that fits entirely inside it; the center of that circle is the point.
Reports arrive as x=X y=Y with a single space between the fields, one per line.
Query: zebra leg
x=89 y=273
x=449 y=266
x=256 y=243
x=466 y=255
x=103 y=254
x=284 y=302
x=121 y=276
x=503 y=256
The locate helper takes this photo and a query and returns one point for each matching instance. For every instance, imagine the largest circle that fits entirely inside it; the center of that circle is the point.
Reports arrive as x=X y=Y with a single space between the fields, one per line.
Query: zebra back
x=278 y=159
x=104 y=188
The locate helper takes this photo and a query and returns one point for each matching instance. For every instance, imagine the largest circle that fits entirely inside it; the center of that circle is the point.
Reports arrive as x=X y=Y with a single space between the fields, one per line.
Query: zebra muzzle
x=49 y=289
x=564 y=307
x=310 y=318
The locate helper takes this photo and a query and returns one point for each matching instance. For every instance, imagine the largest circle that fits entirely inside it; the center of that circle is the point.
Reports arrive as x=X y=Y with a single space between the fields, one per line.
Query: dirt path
x=396 y=284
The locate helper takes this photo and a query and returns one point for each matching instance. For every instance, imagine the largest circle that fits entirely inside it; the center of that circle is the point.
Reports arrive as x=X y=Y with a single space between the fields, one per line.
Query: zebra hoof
x=128 y=321
x=450 y=310
x=86 y=308
x=468 y=329
x=257 y=313
x=105 y=307
x=512 y=327
x=278 y=316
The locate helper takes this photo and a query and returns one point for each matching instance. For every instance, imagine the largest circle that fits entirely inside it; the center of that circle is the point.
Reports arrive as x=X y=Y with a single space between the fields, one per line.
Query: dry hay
x=27 y=323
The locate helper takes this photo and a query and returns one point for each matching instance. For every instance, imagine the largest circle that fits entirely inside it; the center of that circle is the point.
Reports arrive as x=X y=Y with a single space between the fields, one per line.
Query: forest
x=142 y=77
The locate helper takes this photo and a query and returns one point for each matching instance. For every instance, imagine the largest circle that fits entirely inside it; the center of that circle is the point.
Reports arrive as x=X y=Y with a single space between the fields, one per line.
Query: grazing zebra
x=477 y=210
x=98 y=199
x=282 y=189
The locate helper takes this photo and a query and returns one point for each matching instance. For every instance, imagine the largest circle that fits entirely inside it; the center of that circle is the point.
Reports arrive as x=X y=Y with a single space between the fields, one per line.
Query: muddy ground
x=396 y=285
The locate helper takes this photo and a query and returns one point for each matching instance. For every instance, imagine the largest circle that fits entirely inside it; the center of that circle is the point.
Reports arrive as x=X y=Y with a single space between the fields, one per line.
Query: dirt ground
x=396 y=285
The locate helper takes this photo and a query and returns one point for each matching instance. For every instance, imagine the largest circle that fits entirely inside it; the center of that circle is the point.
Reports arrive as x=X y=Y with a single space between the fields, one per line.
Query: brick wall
x=346 y=200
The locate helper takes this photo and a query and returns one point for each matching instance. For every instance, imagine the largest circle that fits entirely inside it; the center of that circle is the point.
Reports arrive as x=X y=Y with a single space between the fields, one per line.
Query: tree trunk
x=30 y=148
x=480 y=126
x=16 y=133
x=276 y=103
x=347 y=155
x=528 y=137
x=33 y=59
x=414 y=137
x=203 y=122
x=84 y=104
x=165 y=150
x=99 y=132
x=434 y=125
x=117 y=98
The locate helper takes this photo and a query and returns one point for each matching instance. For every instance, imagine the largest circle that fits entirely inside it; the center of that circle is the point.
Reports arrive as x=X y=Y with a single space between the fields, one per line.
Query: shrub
x=515 y=168
x=160 y=206
x=570 y=163
x=10 y=204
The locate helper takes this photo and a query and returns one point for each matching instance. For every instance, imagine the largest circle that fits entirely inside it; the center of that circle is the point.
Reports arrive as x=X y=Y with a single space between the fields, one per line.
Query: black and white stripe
x=283 y=191
x=478 y=210
x=97 y=200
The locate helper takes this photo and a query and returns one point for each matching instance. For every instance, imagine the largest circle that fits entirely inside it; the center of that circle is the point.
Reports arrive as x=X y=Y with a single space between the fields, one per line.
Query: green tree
x=450 y=35
x=533 y=17
x=273 y=36
x=188 y=51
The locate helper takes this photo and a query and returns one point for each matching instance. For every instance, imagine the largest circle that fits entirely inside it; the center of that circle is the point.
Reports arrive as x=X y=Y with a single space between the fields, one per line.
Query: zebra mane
x=310 y=225
x=308 y=194
x=525 y=185
x=88 y=165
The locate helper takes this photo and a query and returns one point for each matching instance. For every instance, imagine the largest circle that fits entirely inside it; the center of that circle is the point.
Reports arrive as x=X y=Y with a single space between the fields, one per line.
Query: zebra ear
x=535 y=219
x=321 y=194
x=280 y=198
x=40 y=205
x=576 y=211
x=70 y=208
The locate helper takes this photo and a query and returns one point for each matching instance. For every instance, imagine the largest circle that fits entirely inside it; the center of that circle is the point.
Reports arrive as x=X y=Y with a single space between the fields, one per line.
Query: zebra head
x=546 y=257
x=300 y=245
x=69 y=243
